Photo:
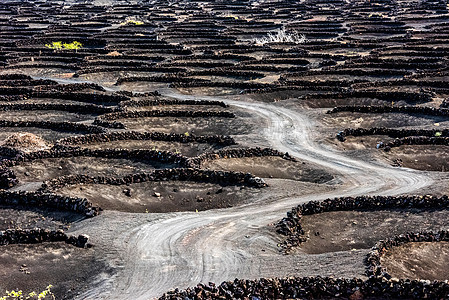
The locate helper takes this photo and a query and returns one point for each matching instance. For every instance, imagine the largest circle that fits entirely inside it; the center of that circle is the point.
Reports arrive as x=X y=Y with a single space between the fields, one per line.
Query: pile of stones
x=80 y=97
x=74 y=87
x=49 y=200
x=387 y=96
x=57 y=126
x=374 y=267
x=28 y=82
x=51 y=89
x=361 y=72
x=105 y=120
x=226 y=72
x=64 y=151
x=137 y=94
x=15 y=76
x=425 y=110
x=166 y=113
x=146 y=68
x=39 y=235
x=291 y=227
x=9 y=151
x=391 y=132
x=181 y=174
x=191 y=82
x=8 y=178
x=165 y=102
x=314 y=288
x=144 y=136
x=237 y=153
x=74 y=108
x=415 y=140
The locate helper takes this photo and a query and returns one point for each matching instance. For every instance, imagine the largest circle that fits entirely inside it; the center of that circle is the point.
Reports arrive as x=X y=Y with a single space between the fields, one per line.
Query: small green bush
x=54 y=45
x=75 y=45
x=19 y=295
x=132 y=21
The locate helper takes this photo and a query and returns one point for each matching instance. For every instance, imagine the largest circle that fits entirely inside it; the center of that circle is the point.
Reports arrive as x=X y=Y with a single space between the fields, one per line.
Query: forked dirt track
x=158 y=252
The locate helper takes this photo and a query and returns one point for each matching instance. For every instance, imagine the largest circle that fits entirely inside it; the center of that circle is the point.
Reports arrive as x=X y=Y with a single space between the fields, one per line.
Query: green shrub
x=132 y=21
x=75 y=45
x=18 y=295
x=54 y=45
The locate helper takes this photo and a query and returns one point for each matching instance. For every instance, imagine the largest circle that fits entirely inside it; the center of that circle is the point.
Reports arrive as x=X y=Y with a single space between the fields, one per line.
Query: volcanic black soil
x=139 y=58
x=33 y=267
x=425 y=260
x=354 y=230
x=163 y=196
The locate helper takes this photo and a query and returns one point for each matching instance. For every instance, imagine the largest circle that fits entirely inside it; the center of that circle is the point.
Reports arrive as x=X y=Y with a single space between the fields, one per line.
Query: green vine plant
x=19 y=295
x=132 y=22
x=55 y=46
x=75 y=45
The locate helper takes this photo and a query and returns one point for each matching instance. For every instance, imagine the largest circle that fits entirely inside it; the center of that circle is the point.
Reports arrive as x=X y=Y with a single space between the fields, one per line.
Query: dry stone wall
x=291 y=226
x=38 y=235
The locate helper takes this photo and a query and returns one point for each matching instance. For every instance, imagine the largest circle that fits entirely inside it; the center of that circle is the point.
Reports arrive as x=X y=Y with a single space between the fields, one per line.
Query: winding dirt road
x=155 y=253
x=181 y=249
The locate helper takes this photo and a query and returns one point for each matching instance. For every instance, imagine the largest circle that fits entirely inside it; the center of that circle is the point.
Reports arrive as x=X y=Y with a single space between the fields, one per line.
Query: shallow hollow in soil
x=424 y=260
x=48 y=135
x=333 y=102
x=45 y=115
x=243 y=123
x=45 y=169
x=346 y=230
x=67 y=268
x=31 y=217
x=343 y=120
x=187 y=149
x=422 y=157
x=271 y=167
x=174 y=196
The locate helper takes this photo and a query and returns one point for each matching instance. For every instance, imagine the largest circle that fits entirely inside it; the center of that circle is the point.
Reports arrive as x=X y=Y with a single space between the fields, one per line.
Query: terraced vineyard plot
x=187 y=149
x=155 y=145
x=31 y=265
x=362 y=229
x=271 y=167
x=413 y=261
x=421 y=157
x=45 y=169
x=29 y=218
x=49 y=136
x=156 y=197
